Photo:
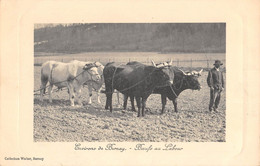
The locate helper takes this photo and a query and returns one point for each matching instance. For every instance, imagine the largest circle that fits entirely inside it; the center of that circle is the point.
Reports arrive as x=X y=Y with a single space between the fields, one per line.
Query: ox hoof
x=89 y=101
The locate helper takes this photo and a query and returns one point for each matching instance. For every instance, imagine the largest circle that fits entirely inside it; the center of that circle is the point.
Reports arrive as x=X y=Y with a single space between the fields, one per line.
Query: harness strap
x=132 y=85
x=173 y=92
x=180 y=85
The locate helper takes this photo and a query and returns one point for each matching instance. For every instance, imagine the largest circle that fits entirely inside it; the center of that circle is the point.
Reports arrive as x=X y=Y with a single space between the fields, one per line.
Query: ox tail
x=44 y=81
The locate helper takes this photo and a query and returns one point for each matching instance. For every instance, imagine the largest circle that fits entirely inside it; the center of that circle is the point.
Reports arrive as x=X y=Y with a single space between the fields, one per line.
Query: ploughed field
x=59 y=122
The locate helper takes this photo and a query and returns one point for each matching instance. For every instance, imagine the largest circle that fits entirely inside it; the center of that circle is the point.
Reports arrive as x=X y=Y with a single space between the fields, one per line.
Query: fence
x=186 y=64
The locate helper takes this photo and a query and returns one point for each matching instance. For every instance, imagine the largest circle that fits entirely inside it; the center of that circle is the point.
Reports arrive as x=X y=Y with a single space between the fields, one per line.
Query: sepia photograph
x=129 y=82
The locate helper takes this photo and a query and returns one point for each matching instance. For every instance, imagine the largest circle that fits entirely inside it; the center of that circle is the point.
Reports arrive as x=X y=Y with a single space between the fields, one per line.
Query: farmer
x=216 y=83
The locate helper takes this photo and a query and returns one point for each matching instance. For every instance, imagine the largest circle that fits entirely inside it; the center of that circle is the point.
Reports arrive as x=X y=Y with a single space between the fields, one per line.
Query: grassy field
x=179 y=59
x=59 y=122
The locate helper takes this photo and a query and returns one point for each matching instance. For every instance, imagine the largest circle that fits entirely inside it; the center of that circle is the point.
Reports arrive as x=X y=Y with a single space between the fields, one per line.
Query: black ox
x=181 y=82
x=137 y=81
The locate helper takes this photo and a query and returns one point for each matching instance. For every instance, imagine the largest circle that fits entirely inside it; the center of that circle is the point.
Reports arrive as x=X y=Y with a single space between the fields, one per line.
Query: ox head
x=92 y=70
x=167 y=70
x=190 y=79
x=100 y=68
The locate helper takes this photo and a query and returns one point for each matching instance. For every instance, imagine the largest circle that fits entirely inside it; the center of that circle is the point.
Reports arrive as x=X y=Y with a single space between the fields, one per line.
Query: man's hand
x=211 y=88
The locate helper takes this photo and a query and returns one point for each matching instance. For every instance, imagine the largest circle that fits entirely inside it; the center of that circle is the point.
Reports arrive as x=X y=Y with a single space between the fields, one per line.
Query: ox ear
x=88 y=66
x=153 y=63
x=96 y=64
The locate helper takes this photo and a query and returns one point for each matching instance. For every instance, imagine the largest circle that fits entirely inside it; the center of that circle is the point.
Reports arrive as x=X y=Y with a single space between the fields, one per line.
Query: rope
x=142 y=81
x=173 y=92
x=170 y=87
x=57 y=89
x=61 y=81
x=130 y=86
x=180 y=85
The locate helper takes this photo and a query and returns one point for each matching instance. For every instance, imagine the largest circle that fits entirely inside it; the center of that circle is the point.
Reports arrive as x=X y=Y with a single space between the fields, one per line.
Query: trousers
x=214 y=98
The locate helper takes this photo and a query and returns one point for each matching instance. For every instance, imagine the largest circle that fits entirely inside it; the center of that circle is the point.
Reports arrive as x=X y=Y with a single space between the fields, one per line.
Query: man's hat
x=218 y=62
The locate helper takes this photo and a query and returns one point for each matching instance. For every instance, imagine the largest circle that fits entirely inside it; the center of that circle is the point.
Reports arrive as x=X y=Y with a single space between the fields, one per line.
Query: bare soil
x=59 y=122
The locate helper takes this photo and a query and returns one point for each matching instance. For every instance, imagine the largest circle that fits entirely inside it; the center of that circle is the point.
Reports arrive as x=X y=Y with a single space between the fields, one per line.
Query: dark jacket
x=215 y=79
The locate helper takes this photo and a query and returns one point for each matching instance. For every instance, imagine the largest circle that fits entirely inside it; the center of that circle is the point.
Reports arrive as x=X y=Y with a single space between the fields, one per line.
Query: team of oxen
x=134 y=80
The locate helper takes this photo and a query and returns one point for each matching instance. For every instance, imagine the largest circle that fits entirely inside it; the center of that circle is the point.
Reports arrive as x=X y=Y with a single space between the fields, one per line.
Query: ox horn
x=200 y=71
x=153 y=63
x=183 y=72
x=170 y=63
x=197 y=73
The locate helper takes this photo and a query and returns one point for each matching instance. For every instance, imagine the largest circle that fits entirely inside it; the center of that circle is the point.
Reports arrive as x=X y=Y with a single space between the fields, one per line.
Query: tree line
x=142 y=37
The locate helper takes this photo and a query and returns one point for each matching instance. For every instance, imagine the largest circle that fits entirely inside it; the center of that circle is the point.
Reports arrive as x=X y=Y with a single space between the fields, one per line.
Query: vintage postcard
x=129 y=83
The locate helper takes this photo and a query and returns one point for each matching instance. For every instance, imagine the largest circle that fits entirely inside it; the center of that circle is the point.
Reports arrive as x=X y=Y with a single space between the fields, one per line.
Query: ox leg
x=143 y=105
x=90 y=94
x=118 y=101
x=164 y=100
x=109 y=100
x=106 y=106
x=50 y=91
x=78 y=95
x=118 y=98
x=42 y=91
x=108 y=96
x=44 y=81
x=132 y=103
x=98 y=96
x=125 y=101
x=138 y=101
x=71 y=95
x=174 y=101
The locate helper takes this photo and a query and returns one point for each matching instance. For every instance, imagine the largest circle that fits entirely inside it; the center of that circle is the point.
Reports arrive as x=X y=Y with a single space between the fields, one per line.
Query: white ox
x=70 y=75
x=96 y=85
